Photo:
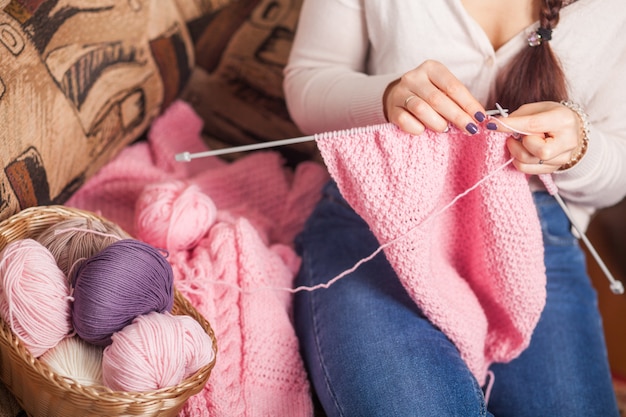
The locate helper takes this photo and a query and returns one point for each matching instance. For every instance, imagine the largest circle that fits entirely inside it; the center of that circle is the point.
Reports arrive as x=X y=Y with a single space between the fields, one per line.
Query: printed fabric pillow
x=81 y=80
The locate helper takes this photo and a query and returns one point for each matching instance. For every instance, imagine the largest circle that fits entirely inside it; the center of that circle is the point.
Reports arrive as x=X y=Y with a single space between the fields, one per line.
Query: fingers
x=534 y=154
x=539 y=118
x=555 y=137
x=432 y=97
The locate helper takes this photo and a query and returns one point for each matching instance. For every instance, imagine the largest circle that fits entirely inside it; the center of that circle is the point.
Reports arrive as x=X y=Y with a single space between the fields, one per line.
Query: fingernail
x=492 y=126
x=471 y=128
x=480 y=116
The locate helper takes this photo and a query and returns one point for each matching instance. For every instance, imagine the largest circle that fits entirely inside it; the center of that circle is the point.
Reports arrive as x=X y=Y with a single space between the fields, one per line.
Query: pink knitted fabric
x=476 y=269
x=261 y=205
x=258 y=371
x=258 y=186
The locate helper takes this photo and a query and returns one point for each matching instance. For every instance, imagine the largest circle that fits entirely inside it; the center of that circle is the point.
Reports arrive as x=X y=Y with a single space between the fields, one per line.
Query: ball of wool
x=124 y=280
x=34 y=296
x=198 y=345
x=79 y=238
x=76 y=359
x=173 y=215
x=155 y=351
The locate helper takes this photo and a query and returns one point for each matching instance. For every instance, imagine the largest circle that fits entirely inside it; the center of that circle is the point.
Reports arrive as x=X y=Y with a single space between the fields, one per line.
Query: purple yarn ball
x=126 y=279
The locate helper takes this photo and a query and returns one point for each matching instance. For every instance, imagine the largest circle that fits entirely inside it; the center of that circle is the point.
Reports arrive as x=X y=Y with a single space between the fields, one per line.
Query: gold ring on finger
x=408 y=99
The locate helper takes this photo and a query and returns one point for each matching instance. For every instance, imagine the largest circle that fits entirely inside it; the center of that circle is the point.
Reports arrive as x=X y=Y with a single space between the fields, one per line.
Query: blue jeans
x=370 y=351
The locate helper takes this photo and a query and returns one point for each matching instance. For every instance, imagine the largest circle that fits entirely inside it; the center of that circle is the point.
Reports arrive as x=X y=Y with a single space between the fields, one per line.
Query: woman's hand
x=430 y=96
x=555 y=136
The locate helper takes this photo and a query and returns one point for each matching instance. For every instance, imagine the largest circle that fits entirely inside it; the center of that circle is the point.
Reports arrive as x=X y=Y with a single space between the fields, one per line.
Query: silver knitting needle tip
x=183 y=157
x=617 y=287
x=503 y=112
x=497 y=112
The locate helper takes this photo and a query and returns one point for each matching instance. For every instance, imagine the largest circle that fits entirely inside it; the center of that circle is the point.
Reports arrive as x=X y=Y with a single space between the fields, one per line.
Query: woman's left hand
x=552 y=135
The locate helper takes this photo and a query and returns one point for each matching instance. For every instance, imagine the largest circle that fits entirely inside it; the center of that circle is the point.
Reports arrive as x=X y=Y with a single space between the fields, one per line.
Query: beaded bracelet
x=584 y=120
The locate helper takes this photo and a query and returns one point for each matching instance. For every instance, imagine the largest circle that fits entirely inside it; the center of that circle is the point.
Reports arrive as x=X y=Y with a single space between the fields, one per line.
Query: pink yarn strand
x=488 y=388
x=343 y=274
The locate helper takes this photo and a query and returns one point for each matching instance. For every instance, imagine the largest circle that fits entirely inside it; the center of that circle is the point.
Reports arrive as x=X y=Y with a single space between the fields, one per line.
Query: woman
x=557 y=66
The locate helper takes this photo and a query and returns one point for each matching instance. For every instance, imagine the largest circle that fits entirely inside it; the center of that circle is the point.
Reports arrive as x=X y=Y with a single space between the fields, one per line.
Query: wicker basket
x=41 y=392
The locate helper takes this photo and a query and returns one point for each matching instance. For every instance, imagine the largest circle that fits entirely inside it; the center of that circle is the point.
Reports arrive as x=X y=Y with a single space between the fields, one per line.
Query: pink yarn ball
x=157 y=350
x=34 y=296
x=173 y=215
x=198 y=345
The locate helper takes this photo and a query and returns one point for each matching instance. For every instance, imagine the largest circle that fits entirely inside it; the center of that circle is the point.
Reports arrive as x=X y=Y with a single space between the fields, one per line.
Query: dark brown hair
x=535 y=74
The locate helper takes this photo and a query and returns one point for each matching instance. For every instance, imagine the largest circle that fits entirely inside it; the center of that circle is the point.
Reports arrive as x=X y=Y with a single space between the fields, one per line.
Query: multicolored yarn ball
x=126 y=279
x=78 y=238
x=76 y=359
x=155 y=351
x=34 y=296
x=173 y=215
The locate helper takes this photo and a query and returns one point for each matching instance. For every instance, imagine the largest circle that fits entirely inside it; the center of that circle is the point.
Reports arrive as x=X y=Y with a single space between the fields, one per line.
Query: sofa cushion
x=81 y=80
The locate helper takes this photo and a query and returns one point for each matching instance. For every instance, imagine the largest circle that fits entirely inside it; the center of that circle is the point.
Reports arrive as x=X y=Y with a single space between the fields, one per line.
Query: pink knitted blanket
x=246 y=244
x=476 y=269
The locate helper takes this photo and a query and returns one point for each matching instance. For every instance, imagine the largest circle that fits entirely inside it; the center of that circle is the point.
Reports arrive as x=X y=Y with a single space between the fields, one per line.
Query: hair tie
x=538 y=36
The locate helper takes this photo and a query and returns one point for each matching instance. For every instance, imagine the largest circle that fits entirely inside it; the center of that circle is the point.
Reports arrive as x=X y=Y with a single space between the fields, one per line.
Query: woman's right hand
x=430 y=96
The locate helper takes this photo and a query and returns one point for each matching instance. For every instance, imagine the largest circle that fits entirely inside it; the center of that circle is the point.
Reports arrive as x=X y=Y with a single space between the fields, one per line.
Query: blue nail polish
x=492 y=126
x=471 y=128
x=480 y=116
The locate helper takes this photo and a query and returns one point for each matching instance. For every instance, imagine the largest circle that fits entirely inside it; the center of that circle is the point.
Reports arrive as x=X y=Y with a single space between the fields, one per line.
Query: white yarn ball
x=76 y=359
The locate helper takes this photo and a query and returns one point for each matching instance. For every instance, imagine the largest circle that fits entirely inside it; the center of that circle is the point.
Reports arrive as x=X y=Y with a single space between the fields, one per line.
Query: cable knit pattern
x=259 y=371
x=475 y=269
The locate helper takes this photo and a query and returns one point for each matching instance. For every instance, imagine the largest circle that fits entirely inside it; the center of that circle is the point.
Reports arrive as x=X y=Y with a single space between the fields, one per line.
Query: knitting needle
x=187 y=156
x=616 y=286
x=499 y=110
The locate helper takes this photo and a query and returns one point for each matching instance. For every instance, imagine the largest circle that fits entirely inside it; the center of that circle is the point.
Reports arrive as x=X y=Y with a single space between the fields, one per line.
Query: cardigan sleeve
x=326 y=85
x=595 y=72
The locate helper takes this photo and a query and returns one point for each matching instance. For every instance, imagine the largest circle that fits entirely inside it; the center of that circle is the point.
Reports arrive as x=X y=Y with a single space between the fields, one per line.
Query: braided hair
x=535 y=74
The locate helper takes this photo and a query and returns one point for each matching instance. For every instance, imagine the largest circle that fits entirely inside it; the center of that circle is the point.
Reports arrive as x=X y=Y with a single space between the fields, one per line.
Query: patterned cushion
x=81 y=80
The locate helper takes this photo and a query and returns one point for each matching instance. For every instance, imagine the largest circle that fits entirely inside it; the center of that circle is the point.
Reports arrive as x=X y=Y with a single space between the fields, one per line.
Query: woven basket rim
x=33 y=220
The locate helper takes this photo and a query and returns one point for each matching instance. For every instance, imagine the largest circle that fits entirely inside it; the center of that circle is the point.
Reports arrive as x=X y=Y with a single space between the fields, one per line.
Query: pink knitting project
x=475 y=269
